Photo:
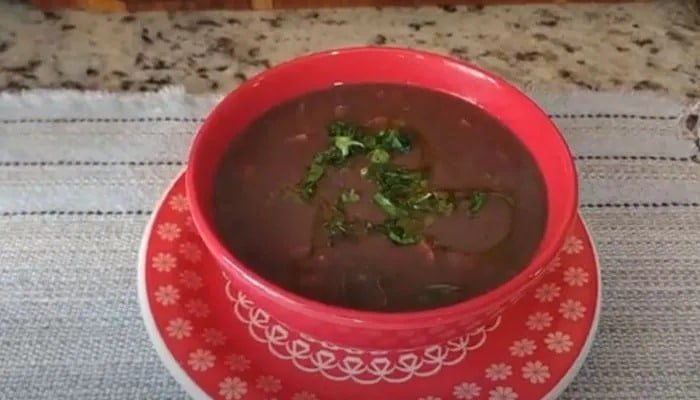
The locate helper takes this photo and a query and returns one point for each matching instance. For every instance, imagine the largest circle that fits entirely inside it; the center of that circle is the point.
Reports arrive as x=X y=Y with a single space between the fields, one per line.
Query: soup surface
x=380 y=197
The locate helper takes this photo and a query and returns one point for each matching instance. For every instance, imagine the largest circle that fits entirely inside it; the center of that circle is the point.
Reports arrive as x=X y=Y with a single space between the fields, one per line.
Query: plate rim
x=575 y=368
x=166 y=357
x=196 y=392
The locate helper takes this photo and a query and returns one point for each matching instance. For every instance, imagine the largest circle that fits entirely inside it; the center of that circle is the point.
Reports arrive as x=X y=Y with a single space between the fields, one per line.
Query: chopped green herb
x=370 y=141
x=345 y=144
x=398 y=233
x=332 y=156
x=476 y=201
x=440 y=203
x=336 y=226
x=336 y=221
x=386 y=204
x=404 y=195
x=342 y=128
x=379 y=156
x=393 y=140
x=401 y=182
x=349 y=196
x=313 y=174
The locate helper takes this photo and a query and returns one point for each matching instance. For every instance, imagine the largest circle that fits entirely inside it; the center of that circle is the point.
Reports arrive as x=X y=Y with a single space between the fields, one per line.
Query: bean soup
x=380 y=197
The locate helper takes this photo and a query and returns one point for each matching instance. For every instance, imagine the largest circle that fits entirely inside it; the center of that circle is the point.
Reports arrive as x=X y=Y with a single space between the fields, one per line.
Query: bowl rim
x=373 y=319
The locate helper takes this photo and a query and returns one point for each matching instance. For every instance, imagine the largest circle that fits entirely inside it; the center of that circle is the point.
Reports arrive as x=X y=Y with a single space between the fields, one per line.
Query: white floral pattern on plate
x=179 y=328
x=214 y=337
x=178 y=202
x=233 y=388
x=572 y=309
x=466 y=391
x=523 y=357
x=191 y=280
x=499 y=372
x=237 y=362
x=304 y=396
x=555 y=263
x=547 y=292
x=197 y=308
x=523 y=347
x=559 y=342
x=502 y=393
x=191 y=251
x=167 y=295
x=269 y=384
x=201 y=360
x=536 y=372
x=168 y=231
x=539 y=321
x=164 y=262
x=572 y=245
x=575 y=276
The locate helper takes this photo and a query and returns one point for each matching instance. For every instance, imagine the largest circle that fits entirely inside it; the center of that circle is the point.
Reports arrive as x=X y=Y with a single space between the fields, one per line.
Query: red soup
x=380 y=197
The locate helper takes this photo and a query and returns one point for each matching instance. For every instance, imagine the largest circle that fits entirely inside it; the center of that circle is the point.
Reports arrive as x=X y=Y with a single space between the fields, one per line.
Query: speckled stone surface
x=651 y=46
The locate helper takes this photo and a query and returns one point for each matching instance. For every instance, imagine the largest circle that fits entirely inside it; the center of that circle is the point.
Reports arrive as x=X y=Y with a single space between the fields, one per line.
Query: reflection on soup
x=380 y=197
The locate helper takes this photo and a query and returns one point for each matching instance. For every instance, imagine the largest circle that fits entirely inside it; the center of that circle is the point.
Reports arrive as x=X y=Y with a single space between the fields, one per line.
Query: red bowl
x=372 y=330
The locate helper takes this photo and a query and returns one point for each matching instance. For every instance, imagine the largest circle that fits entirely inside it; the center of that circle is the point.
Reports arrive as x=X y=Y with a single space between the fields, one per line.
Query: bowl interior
x=397 y=66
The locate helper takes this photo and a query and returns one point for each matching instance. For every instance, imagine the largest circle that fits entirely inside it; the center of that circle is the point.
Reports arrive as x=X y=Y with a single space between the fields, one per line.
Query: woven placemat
x=80 y=173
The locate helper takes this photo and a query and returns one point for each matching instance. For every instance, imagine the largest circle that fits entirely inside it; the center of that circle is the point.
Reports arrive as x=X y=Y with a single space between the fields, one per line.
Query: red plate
x=217 y=344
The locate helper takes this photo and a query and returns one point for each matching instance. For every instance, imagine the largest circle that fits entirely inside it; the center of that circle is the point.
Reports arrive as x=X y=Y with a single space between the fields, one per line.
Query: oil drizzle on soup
x=380 y=197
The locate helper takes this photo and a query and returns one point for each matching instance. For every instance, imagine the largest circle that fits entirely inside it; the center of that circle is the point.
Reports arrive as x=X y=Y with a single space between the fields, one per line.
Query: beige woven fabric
x=79 y=174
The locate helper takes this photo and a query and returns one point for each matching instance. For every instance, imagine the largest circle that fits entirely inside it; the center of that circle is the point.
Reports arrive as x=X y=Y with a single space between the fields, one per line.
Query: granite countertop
x=645 y=46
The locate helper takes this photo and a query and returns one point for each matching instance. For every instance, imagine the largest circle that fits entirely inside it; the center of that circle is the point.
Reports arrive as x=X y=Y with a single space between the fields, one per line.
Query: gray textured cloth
x=69 y=321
